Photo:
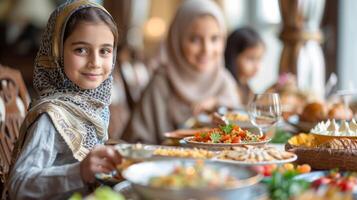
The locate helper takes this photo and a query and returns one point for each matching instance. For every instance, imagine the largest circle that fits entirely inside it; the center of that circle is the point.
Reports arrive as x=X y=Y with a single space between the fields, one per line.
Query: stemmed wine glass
x=264 y=111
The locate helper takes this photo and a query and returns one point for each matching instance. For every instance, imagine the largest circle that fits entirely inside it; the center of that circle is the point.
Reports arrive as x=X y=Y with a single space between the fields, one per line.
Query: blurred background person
x=243 y=57
x=131 y=77
x=193 y=79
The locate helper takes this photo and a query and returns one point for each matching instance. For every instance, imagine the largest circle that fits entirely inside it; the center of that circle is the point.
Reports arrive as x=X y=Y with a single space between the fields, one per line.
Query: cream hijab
x=191 y=85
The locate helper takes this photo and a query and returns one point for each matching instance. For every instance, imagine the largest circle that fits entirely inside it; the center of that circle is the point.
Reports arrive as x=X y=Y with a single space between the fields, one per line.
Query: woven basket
x=324 y=158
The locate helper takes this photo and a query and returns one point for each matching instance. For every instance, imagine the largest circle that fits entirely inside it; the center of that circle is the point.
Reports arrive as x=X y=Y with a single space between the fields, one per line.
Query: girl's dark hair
x=238 y=41
x=94 y=15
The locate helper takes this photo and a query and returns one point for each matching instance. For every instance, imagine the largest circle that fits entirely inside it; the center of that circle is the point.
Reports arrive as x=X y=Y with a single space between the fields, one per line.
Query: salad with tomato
x=230 y=134
x=344 y=181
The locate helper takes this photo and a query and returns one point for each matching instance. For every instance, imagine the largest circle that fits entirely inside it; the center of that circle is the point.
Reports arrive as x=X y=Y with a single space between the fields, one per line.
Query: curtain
x=302 y=54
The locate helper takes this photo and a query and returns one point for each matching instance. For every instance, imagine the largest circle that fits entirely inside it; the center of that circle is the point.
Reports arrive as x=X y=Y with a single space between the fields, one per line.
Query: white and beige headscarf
x=80 y=116
x=190 y=84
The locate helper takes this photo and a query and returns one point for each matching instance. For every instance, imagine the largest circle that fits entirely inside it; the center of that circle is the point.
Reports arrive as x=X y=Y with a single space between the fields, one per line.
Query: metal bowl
x=139 y=174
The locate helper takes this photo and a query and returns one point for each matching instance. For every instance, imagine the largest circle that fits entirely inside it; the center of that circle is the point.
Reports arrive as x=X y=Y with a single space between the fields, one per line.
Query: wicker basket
x=324 y=158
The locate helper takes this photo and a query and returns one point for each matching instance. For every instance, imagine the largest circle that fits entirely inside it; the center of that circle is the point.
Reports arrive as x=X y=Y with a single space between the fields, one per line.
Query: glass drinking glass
x=264 y=111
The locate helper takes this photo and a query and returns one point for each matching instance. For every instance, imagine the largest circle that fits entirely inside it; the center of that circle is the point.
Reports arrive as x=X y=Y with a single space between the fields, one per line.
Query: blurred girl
x=59 y=149
x=243 y=55
x=194 y=78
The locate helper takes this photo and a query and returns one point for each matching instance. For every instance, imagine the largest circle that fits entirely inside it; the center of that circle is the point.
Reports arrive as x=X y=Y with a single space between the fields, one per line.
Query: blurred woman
x=192 y=80
x=243 y=56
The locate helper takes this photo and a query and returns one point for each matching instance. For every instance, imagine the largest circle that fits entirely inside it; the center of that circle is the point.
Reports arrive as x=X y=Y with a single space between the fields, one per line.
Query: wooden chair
x=13 y=105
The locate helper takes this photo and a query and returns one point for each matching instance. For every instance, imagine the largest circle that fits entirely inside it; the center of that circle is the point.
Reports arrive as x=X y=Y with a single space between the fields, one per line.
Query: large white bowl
x=139 y=174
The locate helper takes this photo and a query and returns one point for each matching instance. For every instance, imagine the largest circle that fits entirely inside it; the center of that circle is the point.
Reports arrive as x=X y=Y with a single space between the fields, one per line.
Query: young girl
x=243 y=56
x=59 y=149
x=192 y=80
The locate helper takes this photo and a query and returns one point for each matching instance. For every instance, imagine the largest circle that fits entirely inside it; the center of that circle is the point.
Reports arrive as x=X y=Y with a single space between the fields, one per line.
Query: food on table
x=323 y=152
x=229 y=134
x=331 y=128
x=101 y=193
x=314 y=112
x=196 y=176
x=303 y=139
x=267 y=170
x=232 y=116
x=255 y=154
x=281 y=136
x=310 y=141
x=344 y=181
x=318 y=111
x=304 y=168
x=340 y=143
x=334 y=185
x=329 y=193
x=283 y=185
x=340 y=112
x=184 y=152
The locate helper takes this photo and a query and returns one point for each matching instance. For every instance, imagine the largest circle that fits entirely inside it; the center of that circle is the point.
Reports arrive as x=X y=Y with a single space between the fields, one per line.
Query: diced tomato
x=226 y=137
x=242 y=134
x=236 y=139
x=263 y=137
x=236 y=128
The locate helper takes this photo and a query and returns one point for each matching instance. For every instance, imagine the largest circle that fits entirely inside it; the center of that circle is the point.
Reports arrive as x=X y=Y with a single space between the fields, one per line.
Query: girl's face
x=249 y=61
x=88 y=54
x=203 y=43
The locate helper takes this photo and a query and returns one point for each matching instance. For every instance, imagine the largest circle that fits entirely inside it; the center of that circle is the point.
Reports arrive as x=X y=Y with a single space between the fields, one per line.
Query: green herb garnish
x=281 y=136
x=227 y=129
x=203 y=135
x=215 y=137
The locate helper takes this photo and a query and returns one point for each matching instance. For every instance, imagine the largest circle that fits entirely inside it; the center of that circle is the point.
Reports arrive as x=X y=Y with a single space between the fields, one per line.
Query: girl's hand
x=206 y=105
x=102 y=159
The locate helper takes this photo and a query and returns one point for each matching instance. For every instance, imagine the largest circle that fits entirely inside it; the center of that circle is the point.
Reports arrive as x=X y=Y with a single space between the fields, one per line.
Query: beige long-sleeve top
x=46 y=168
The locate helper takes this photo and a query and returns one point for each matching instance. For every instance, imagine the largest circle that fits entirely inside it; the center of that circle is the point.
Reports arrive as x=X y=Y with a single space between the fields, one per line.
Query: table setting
x=224 y=144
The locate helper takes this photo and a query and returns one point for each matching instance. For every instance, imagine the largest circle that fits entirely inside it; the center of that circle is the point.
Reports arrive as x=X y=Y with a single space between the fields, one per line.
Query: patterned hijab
x=80 y=116
x=190 y=84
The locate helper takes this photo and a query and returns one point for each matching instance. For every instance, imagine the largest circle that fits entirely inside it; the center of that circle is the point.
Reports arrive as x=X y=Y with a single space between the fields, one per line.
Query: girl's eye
x=81 y=51
x=194 y=39
x=215 y=38
x=105 y=51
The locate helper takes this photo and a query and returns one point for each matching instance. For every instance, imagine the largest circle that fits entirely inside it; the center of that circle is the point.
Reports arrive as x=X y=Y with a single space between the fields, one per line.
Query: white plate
x=219 y=146
x=245 y=163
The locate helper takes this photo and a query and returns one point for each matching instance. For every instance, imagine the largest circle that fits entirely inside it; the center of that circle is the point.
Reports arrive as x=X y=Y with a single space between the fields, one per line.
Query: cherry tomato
x=321 y=181
x=346 y=185
x=305 y=168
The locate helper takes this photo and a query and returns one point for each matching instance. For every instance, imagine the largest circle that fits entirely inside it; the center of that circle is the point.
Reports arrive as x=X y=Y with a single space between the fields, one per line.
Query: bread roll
x=341 y=143
x=340 y=112
x=314 y=112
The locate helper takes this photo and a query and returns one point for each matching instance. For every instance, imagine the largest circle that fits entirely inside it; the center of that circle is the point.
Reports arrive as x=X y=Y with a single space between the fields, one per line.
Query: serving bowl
x=140 y=174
